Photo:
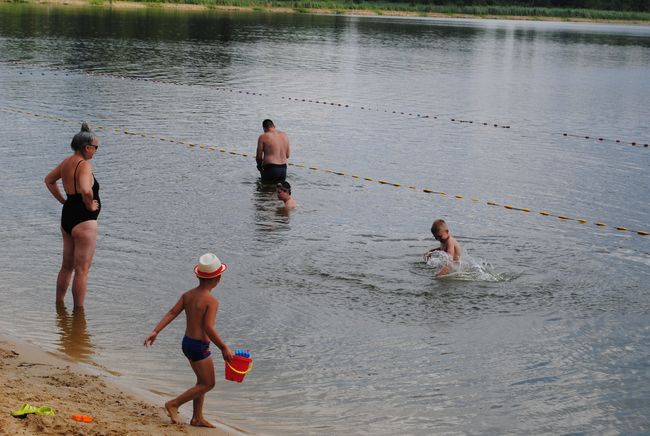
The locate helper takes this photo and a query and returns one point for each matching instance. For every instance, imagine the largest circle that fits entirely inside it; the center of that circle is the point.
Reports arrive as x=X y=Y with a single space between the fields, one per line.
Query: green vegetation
x=565 y=10
x=634 y=10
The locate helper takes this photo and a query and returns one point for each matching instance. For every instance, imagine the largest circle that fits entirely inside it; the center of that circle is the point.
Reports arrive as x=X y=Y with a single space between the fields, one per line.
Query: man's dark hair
x=267 y=124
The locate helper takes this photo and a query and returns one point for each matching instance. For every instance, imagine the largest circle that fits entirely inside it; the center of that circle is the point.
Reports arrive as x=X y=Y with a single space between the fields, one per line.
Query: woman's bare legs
x=67 y=267
x=204 y=370
x=85 y=239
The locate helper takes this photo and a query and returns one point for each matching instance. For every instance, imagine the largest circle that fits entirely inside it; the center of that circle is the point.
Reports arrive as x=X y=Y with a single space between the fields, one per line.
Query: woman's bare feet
x=201 y=422
x=172 y=411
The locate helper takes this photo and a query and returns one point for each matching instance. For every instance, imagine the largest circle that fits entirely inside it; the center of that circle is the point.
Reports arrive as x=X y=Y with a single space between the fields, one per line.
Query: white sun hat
x=209 y=266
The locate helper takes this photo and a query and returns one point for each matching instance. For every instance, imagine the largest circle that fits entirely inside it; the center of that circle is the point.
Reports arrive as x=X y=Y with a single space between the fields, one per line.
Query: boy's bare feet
x=172 y=412
x=201 y=422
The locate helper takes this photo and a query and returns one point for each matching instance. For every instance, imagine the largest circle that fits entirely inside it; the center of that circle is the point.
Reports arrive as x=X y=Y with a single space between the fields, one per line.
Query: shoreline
x=367 y=12
x=40 y=378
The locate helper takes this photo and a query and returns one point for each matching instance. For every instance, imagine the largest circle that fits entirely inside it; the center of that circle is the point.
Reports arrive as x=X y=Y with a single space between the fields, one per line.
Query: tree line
x=608 y=5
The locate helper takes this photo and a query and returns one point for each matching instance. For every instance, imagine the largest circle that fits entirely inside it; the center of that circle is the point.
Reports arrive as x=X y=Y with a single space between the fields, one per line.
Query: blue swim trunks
x=195 y=349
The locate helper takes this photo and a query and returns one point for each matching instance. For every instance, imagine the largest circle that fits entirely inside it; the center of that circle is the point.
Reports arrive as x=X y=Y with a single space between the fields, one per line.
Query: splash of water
x=467 y=268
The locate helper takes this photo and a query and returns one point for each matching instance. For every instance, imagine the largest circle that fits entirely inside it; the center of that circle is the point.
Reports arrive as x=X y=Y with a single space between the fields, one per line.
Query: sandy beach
x=32 y=376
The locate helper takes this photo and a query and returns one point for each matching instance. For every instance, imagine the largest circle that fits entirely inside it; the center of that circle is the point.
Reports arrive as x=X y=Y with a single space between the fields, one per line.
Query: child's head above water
x=440 y=230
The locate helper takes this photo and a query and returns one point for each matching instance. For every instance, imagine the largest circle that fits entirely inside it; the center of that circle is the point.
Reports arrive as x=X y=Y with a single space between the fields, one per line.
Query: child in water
x=283 y=190
x=200 y=312
x=448 y=244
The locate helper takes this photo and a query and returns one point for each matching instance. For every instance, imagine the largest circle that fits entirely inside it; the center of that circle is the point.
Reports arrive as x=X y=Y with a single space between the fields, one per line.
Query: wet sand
x=30 y=375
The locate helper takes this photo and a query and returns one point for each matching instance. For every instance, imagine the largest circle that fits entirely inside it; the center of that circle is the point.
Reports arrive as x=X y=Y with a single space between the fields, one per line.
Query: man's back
x=274 y=146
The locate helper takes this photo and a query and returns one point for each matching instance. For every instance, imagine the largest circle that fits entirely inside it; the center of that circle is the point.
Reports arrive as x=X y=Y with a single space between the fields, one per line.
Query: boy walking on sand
x=200 y=311
x=448 y=244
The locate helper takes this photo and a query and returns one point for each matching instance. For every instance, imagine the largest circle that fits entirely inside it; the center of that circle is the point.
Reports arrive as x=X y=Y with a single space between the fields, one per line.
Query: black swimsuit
x=74 y=210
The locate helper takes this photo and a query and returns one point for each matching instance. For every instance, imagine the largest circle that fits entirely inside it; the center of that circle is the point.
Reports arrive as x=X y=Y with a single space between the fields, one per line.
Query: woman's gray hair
x=83 y=138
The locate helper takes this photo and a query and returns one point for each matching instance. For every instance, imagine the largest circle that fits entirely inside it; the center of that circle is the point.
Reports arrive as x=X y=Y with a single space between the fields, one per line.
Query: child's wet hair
x=438 y=225
x=285 y=186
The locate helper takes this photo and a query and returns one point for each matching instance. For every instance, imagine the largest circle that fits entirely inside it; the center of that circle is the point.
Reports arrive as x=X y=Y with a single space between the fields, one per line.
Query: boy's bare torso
x=451 y=247
x=196 y=304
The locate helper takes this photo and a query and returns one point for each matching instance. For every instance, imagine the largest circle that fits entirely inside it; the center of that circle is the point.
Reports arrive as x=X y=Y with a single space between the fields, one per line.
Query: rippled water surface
x=349 y=329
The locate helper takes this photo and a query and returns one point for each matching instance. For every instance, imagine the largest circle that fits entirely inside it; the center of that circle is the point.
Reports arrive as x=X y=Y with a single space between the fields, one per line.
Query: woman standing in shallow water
x=79 y=215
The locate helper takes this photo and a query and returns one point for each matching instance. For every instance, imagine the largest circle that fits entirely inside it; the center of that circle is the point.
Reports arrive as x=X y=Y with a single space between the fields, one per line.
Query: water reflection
x=74 y=339
x=229 y=27
x=271 y=219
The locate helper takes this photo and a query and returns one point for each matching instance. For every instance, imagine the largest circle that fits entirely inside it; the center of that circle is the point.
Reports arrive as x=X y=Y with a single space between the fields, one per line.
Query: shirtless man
x=272 y=153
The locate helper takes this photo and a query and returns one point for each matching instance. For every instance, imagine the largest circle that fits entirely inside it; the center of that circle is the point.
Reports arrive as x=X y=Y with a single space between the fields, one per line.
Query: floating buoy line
x=412 y=114
x=383 y=182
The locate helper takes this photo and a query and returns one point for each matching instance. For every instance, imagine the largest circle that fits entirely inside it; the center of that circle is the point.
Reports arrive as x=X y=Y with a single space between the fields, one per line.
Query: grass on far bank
x=385 y=7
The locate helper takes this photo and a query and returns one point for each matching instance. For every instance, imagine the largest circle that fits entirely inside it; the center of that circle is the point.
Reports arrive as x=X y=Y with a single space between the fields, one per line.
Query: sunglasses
x=92 y=145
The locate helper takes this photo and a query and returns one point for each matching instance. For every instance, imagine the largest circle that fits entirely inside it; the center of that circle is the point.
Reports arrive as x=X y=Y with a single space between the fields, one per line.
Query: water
x=467 y=268
x=349 y=329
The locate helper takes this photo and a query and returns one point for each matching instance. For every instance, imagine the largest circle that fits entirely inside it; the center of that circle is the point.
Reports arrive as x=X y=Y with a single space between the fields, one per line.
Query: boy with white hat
x=200 y=311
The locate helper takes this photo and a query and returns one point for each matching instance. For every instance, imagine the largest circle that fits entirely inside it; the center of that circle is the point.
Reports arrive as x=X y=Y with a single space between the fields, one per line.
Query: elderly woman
x=79 y=215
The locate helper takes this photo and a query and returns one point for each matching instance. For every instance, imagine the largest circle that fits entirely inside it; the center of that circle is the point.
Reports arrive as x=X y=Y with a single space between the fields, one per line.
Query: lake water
x=349 y=329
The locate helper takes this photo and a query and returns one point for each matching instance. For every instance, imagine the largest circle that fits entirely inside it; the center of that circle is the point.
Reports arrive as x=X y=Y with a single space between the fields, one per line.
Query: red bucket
x=238 y=368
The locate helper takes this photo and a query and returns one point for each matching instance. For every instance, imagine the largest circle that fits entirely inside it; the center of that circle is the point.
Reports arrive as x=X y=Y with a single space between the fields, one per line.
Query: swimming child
x=283 y=189
x=200 y=311
x=448 y=244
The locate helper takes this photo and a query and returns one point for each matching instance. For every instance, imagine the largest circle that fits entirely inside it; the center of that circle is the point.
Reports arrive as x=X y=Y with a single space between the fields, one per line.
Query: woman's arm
x=51 y=183
x=85 y=187
x=169 y=317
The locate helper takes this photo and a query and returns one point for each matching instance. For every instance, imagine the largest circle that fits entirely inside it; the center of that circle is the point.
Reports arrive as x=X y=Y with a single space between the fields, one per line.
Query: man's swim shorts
x=273 y=173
